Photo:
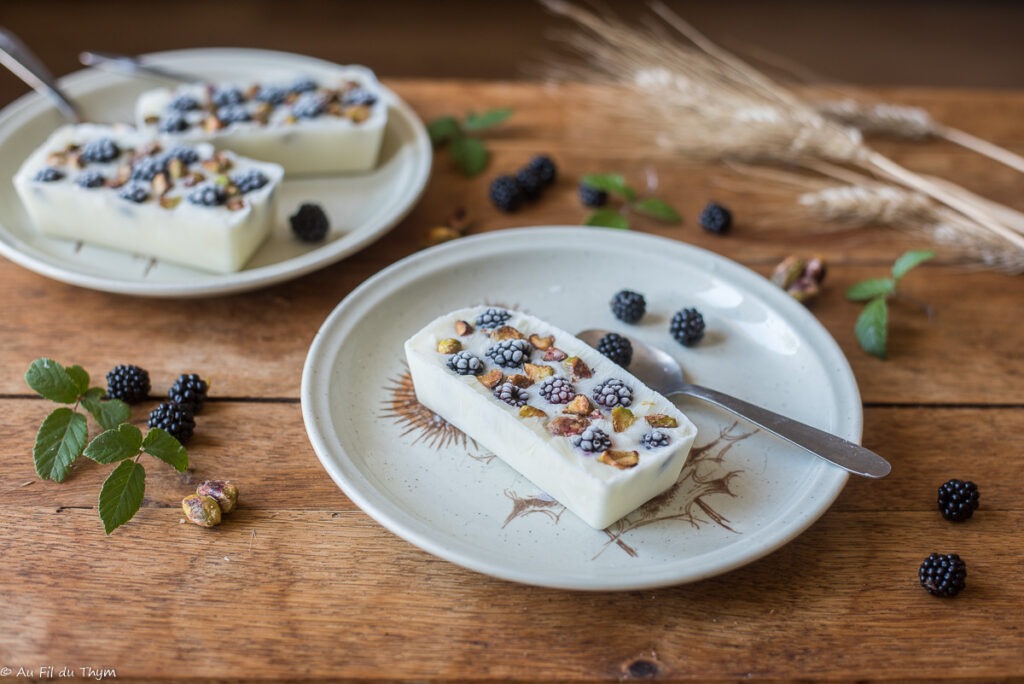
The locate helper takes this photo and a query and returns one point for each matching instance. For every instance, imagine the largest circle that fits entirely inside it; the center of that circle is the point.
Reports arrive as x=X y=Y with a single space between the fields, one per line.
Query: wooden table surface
x=300 y=584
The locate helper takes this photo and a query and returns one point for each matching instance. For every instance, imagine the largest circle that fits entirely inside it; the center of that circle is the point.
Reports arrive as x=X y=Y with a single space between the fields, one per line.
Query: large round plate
x=362 y=207
x=741 y=495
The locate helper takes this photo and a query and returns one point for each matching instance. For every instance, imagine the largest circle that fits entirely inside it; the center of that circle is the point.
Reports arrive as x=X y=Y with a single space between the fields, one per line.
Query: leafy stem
x=872 y=327
x=615 y=184
x=467 y=150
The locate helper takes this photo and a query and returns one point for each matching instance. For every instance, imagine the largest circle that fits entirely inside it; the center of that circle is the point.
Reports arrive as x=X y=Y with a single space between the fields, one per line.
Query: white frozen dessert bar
x=570 y=420
x=330 y=125
x=116 y=187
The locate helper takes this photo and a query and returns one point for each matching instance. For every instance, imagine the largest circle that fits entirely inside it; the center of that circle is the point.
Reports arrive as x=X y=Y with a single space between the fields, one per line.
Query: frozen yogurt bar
x=575 y=424
x=330 y=125
x=117 y=187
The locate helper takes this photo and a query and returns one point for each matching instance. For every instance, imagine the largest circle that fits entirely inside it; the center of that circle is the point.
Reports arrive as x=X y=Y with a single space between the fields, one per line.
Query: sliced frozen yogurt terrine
x=575 y=424
x=331 y=125
x=116 y=187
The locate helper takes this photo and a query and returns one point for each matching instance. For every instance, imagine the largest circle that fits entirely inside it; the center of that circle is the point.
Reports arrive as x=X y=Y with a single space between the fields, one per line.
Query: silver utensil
x=663 y=374
x=17 y=57
x=132 y=66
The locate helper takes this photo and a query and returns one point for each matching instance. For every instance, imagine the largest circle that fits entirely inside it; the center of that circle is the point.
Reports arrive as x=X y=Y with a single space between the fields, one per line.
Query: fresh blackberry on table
x=510 y=353
x=592 y=197
x=612 y=393
x=506 y=194
x=309 y=106
x=465 y=363
x=175 y=419
x=529 y=182
x=493 y=318
x=273 y=95
x=183 y=153
x=655 y=439
x=49 y=175
x=557 y=390
x=687 y=327
x=128 y=383
x=628 y=306
x=617 y=348
x=358 y=97
x=303 y=85
x=943 y=574
x=716 y=219
x=147 y=168
x=958 y=500
x=250 y=180
x=593 y=440
x=511 y=395
x=545 y=168
x=208 y=195
x=310 y=223
x=100 y=151
x=231 y=114
x=224 y=97
x=173 y=122
x=190 y=391
x=183 y=103
x=90 y=179
x=134 y=192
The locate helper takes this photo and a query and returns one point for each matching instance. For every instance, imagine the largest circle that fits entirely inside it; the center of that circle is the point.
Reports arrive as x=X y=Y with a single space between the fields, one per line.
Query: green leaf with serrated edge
x=871 y=327
x=163 y=445
x=656 y=208
x=489 y=119
x=610 y=182
x=869 y=289
x=608 y=218
x=122 y=494
x=443 y=129
x=60 y=440
x=80 y=377
x=909 y=261
x=110 y=413
x=50 y=380
x=116 y=444
x=470 y=154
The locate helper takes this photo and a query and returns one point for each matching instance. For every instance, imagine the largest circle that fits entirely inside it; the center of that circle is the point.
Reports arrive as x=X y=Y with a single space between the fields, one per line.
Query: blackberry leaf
x=122 y=494
x=116 y=444
x=60 y=440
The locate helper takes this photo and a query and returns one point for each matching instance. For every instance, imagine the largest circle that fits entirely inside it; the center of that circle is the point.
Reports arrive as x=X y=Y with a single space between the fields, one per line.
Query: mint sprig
x=872 y=327
x=615 y=184
x=467 y=150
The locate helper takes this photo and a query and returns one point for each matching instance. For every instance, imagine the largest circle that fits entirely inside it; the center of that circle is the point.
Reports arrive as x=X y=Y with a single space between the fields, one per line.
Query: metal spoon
x=662 y=373
x=17 y=57
x=132 y=66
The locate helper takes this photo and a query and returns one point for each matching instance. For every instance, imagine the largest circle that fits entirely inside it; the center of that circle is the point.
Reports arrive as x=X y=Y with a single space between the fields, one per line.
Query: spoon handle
x=833 y=449
x=17 y=57
x=132 y=66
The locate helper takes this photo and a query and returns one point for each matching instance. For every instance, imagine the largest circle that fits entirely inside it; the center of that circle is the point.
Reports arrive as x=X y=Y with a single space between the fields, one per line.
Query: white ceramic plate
x=362 y=207
x=742 y=494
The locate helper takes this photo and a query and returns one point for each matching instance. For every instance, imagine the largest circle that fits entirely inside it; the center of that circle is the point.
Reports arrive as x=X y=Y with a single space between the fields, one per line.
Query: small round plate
x=362 y=207
x=742 y=494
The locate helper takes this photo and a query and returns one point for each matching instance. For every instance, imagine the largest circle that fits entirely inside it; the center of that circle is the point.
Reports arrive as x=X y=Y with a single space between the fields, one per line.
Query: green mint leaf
x=79 y=377
x=443 y=129
x=114 y=445
x=60 y=440
x=122 y=494
x=163 y=445
x=110 y=413
x=908 y=261
x=470 y=154
x=610 y=182
x=871 y=288
x=489 y=119
x=871 y=327
x=609 y=218
x=50 y=380
x=656 y=208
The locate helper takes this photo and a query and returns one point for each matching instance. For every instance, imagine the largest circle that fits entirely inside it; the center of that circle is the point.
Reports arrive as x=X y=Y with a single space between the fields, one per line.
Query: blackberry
x=235 y=113
x=958 y=500
x=628 y=306
x=253 y=179
x=273 y=95
x=687 y=327
x=557 y=390
x=506 y=194
x=716 y=219
x=183 y=103
x=175 y=419
x=173 y=122
x=612 y=393
x=49 y=175
x=309 y=106
x=208 y=195
x=134 y=192
x=465 y=363
x=493 y=318
x=128 y=383
x=90 y=179
x=593 y=440
x=310 y=223
x=146 y=168
x=358 y=96
x=511 y=395
x=190 y=391
x=943 y=574
x=303 y=85
x=510 y=353
x=529 y=182
x=592 y=197
x=183 y=153
x=100 y=151
x=545 y=168
x=655 y=439
x=224 y=97
x=617 y=348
